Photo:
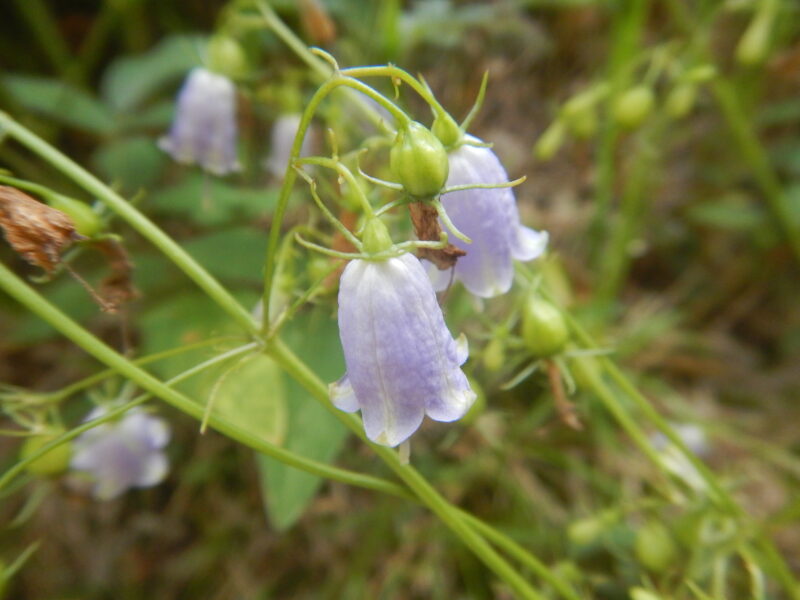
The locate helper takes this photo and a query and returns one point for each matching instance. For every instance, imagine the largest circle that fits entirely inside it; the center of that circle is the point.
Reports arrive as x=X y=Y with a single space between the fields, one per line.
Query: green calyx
x=376 y=237
x=419 y=161
x=86 y=221
x=544 y=329
x=447 y=130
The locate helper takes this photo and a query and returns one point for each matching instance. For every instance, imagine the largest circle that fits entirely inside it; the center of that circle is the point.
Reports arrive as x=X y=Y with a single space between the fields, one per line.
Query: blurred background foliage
x=671 y=242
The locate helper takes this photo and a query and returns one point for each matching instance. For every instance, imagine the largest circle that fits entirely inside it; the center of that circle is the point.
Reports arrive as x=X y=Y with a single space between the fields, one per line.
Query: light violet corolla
x=204 y=129
x=119 y=455
x=489 y=217
x=402 y=362
x=284 y=131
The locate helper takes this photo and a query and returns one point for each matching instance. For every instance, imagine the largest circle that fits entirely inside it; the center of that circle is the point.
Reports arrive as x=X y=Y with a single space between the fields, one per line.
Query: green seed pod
x=580 y=115
x=447 y=130
x=633 y=106
x=543 y=328
x=494 y=355
x=588 y=530
x=550 y=141
x=419 y=161
x=639 y=593
x=86 y=221
x=753 y=46
x=654 y=547
x=680 y=100
x=226 y=57
x=54 y=462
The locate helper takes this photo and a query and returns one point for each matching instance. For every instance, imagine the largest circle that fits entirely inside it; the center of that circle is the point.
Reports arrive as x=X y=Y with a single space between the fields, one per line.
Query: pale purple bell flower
x=402 y=362
x=284 y=131
x=489 y=217
x=123 y=454
x=204 y=130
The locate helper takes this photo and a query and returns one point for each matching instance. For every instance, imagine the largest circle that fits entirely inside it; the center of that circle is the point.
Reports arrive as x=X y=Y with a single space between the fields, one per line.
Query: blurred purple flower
x=283 y=131
x=122 y=454
x=489 y=217
x=204 y=128
x=402 y=362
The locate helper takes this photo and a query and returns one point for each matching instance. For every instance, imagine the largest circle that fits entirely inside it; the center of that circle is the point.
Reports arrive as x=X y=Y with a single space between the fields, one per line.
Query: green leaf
x=311 y=430
x=732 y=213
x=133 y=163
x=60 y=102
x=235 y=255
x=133 y=79
x=252 y=395
x=208 y=201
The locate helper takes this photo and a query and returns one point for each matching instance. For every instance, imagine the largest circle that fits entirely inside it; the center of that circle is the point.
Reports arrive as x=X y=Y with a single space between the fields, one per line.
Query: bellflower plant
x=402 y=362
x=124 y=454
x=283 y=132
x=489 y=217
x=204 y=129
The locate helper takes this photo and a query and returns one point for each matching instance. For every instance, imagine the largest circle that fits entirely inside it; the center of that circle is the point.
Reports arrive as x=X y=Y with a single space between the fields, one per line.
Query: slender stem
x=134 y=218
x=421 y=488
x=340 y=168
x=24 y=294
x=291 y=175
x=45 y=30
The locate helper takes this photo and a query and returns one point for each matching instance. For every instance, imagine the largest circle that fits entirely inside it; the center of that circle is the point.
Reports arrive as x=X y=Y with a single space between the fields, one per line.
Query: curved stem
x=24 y=294
x=135 y=219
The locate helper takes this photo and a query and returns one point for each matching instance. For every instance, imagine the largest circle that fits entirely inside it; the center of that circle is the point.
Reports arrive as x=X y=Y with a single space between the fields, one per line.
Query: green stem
x=449 y=514
x=134 y=218
x=25 y=295
x=270 y=261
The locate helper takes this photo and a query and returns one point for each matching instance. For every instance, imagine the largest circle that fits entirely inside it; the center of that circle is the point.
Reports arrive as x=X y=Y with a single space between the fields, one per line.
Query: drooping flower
x=402 y=362
x=204 y=130
x=695 y=439
x=283 y=132
x=122 y=454
x=489 y=217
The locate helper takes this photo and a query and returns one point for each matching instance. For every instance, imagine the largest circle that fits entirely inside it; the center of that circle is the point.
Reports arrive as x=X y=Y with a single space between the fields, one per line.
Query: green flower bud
x=588 y=530
x=701 y=73
x=580 y=115
x=753 y=46
x=680 y=100
x=54 y=462
x=654 y=547
x=447 y=130
x=226 y=57
x=544 y=330
x=633 y=106
x=639 y=593
x=494 y=355
x=419 y=161
x=550 y=141
x=86 y=221
x=376 y=237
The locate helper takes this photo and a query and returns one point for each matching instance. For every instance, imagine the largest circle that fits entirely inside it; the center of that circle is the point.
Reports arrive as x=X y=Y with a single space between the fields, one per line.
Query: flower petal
x=342 y=395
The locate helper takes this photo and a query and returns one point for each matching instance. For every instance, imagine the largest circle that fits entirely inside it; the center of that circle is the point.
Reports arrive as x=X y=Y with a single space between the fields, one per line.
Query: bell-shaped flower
x=204 y=129
x=489 y=217
x=123 y=454
x=284 y=131
x=402 y=362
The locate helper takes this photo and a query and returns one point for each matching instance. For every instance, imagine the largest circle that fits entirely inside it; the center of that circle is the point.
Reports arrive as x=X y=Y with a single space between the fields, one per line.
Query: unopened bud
x=633 y=106
x=446 y=129
x=544 y=330
x=680 y=100
x=226 y=57
x=550 y=141
x=86 y=221
x=53 y=462
x=654 y=547
x=580 y=115
x=419 y=161
x=640 y=593
x=753 y=46
x=494 y=355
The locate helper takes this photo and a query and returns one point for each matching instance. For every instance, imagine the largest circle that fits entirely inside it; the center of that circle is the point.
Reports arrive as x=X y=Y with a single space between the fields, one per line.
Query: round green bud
x=52 y=463
x=226 y=57
x=86 y=221
x=544 y=329
x=494 y=355
x=580 y=115
x=447 y=130
x=701 y=73
x=376 y=237
x=585 y=532
x=419 y=161
x=680 y=100
x=640 y=593
x=550 y=141
x=632 y=106
x=654 y=547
